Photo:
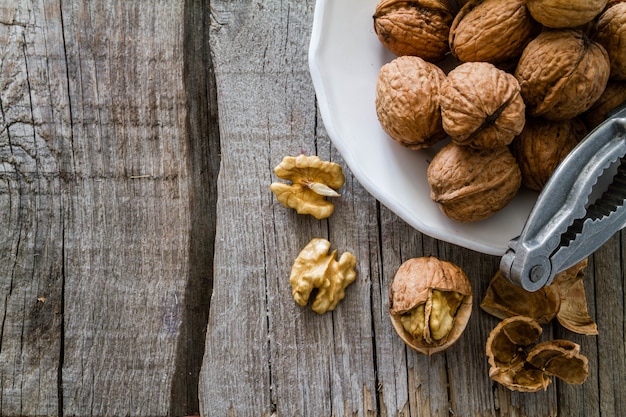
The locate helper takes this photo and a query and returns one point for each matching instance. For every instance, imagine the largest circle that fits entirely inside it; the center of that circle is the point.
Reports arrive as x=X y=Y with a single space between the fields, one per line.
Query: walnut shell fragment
x=430 y=303
x=492 y=30
x=565 y=13
x=312 y=180
x=407 y=101
x=541 y=147
x=469 y=184
x=418 y=28
x=610 y=32
x=573 y=313
x=481 y=106
x=519 y=364
x=562 y=73
x=316 y=268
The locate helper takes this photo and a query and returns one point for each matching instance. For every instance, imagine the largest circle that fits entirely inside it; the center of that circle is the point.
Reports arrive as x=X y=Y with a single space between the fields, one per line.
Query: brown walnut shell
x=610 y=32
x=492 y=30
x=562 y=73
x=407 y=101
x=419 y=27
x=565 y=13
x=614 y=94
x=470 y=184
x=541 y=147
x=481 y=106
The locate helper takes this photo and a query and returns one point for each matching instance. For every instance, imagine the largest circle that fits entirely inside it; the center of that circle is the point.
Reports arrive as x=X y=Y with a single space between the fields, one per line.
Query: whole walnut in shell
x=419 y=27
x=562 y=73
x=565 y=13
x=492 y=30
x=481 y=106
x=541 y=147
x=614 y=94
x=470 y=184
x=610 y=32
x=430 y=303
x=407 y=101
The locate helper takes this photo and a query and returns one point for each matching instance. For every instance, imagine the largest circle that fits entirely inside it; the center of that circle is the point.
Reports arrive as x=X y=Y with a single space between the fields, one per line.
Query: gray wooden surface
x=144 y=263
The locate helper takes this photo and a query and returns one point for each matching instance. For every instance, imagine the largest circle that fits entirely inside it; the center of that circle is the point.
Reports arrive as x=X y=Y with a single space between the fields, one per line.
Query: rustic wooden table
x=144 y=263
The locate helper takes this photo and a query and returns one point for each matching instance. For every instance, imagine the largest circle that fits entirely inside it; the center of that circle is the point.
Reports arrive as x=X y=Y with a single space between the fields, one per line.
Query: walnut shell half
x=562 y=73
x=470 y=184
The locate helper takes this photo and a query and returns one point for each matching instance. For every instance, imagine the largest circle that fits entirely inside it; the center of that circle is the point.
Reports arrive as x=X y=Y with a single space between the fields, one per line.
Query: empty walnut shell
x=407 y=101
x=419 y=27
x=614 y=94
x=560 y=358
x=561 y=74
x=565 y=13
x=430 y=303
x=610 y=32
x=481 y=106
x=542 y=145
x=470 y=184
x=573 y=313
x=492 y=30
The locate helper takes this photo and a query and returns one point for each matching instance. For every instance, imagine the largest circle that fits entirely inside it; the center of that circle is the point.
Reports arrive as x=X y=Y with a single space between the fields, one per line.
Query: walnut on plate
x=542 y=145
x=430 y=303
x=565 y=13
x=419 y=27
x=470 y=184
x=481 y=106
x=407 y=101
x=610 y=32
x=562 y=73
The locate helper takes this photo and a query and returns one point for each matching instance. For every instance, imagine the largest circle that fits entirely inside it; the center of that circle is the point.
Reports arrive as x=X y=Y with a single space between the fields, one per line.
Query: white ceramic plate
x=345 y=56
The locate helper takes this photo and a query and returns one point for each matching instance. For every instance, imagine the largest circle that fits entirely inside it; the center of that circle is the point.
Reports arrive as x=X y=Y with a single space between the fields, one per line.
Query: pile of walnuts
x=529 y=79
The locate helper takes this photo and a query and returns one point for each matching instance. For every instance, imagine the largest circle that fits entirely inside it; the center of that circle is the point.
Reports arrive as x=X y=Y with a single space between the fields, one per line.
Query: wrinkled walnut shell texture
x=407 y=101
x=611 y=34
x=565 y=13
x=614 y=94
x=470 y=185
x=481 y=106
x=418 y=28
x=491 y=30
x=561 y=74
x=542 y=145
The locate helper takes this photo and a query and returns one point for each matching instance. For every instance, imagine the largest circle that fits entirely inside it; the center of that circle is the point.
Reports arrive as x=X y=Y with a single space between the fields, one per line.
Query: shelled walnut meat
x=407 y=101
x=419 y=27
x=541 y=147
x=562 y=73
x=610 y=32
x=492 y=30
x=470 y=184
x=430 y=303
x=481 y=106
x=565 y=13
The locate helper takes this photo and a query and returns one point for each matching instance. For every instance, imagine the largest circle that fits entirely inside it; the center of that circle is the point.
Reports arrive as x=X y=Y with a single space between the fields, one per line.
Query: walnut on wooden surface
x=564 y=299
x=562 y=73
x=565 y=13
x=492 y=30
x=610 y=32
x=481 y=106
x=419 y=27
x=311 y=180
x=407 y=101
x=614 y=94
x=430 y=303
x=470 y=184
x=520 y=364
x=542 y=145
x=316 y=268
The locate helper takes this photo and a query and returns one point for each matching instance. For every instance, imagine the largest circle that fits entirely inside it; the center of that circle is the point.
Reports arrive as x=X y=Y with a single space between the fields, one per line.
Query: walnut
x=407 y=101
x=542 y=145
x=565 y=13
x=519 y=364
x=614 y=94
x=312 y=180
x=316 y=268
x=469 y=184
x=419 y=27
x=562 y=73
x=430 y=303
x=494 y=31
x=564 y=299
x=610 y=32
x=481 y=106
